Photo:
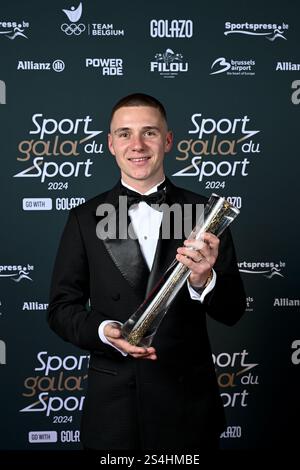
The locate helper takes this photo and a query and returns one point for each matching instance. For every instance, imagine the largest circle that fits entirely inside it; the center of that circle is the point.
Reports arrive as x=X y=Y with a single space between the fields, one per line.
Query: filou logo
x=168 y=64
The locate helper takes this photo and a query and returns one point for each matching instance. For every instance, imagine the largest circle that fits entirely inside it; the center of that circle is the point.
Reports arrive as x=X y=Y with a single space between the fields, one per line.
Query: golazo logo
x=2 y=92
x=2 y=353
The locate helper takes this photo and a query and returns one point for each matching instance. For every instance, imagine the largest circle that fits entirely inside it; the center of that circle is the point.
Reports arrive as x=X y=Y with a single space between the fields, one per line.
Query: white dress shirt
x=146 y=223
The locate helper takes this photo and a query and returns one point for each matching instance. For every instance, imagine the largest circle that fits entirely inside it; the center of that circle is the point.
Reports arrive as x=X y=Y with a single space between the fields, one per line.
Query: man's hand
x=200 y=259
x=113 y=334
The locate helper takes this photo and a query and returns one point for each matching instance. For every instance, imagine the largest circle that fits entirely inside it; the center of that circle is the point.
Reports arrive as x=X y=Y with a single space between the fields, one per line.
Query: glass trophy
x=142 y=326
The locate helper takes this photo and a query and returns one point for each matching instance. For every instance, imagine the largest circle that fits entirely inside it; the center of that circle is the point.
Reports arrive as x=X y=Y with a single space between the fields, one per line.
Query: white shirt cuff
x=200 y=297
x=103 y=337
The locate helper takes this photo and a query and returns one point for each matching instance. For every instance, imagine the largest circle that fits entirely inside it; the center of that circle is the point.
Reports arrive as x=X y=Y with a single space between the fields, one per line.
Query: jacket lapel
x=125 y=252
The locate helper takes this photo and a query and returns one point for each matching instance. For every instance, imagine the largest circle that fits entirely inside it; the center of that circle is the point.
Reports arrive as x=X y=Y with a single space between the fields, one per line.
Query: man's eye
x=123 y=134
x=150 y=133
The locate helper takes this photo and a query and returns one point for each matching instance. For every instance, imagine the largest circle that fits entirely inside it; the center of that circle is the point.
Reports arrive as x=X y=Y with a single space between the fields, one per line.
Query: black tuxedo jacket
x=171 y=403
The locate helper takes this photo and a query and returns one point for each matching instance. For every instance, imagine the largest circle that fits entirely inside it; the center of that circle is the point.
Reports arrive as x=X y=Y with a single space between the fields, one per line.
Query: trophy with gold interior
x=142 y=326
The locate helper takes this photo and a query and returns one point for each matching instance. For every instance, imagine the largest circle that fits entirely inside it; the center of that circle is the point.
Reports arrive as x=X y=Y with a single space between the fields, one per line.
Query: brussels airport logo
x=233 y=67
x=57 y=65
x=2 y=353
x=268 y=269
x=13 y=29
x=56 y=385
x=295 y=98
x=216 y=139
x=236 y=377
x=2 y=92
x=267 y=31
x=16 y=273
x=171 y=28
x=74 y=28
x=50 y=142
x=169 y=64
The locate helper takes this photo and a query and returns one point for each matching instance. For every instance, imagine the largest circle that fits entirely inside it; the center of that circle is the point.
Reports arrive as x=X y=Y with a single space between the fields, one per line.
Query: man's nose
x=137 y=142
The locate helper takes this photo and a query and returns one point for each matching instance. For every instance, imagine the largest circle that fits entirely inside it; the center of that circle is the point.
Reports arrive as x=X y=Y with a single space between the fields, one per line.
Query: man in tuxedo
x=164 y=396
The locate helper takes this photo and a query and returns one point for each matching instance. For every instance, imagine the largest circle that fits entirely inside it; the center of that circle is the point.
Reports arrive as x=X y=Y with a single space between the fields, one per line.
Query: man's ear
x=169 y=141
x=110 y=144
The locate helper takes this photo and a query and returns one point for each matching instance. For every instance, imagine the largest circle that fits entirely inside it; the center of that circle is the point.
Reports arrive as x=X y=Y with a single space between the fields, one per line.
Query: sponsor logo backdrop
x=229 y=76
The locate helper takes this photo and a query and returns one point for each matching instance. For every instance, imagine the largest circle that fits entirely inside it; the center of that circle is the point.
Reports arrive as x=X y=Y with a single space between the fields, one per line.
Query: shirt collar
x=150 y=191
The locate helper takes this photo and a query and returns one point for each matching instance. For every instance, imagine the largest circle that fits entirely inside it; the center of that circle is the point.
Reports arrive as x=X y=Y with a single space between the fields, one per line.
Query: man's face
x=139 y=139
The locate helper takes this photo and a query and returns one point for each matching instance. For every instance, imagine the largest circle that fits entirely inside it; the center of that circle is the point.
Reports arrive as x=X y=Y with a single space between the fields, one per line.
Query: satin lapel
x=166 y=248
x=126 y=253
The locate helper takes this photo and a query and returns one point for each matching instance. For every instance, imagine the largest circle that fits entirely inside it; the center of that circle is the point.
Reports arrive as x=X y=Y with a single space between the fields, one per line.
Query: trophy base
x=136 y=340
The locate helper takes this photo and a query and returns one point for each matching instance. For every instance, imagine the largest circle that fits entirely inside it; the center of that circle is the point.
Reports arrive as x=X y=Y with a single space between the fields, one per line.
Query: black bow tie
x=134 y=198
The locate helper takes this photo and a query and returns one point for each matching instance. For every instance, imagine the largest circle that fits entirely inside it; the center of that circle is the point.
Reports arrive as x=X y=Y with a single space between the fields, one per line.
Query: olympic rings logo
x=73 y=28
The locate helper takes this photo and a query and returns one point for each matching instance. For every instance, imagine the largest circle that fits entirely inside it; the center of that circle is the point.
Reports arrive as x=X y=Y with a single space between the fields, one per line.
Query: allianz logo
x=57 y=65
x=34 y=306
